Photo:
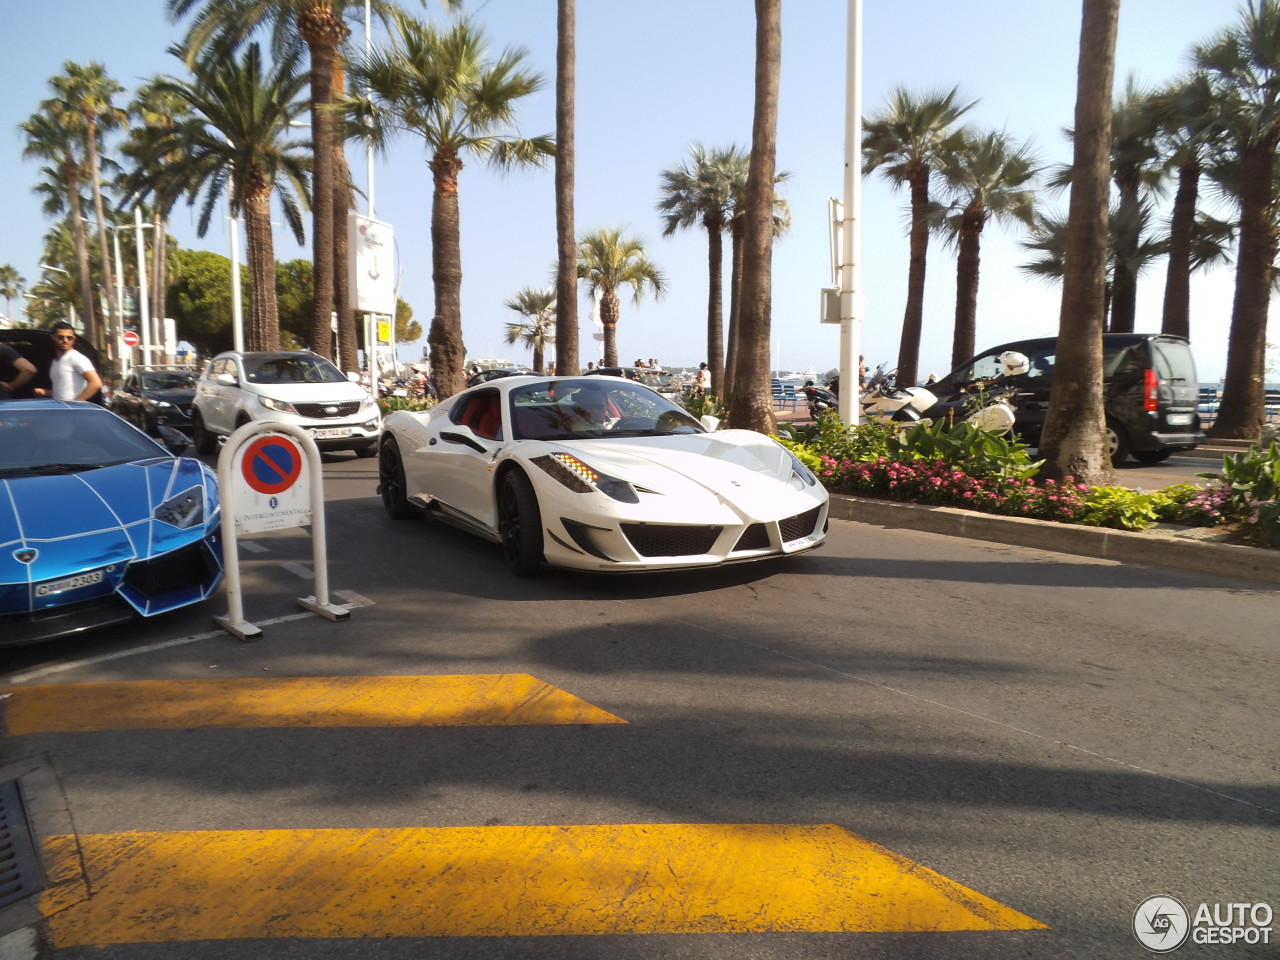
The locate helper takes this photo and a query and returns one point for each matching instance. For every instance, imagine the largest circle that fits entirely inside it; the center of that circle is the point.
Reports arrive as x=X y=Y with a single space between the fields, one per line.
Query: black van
x=1149 y=388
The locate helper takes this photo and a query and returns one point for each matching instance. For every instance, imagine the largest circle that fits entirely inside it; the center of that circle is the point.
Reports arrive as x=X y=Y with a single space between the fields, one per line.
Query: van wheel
x=204 y=441
x=1152 y=456
x=1117 y=443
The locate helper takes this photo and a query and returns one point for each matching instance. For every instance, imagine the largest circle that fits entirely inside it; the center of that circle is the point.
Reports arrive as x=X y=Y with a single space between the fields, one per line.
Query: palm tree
x=1243 y=67
x=48 y=139
x=608 y=261
x=87 y=90
x=441 y=86
x=700 y=193
x=12 y=283
x=908 y=143
x=320 y=26
x=537 y=330
x=240 y=147
x=567 y=359
x=989 y=178
x=1186 y=116
x=1073 y=441
x=750 y=404
x=738 y=170
x=153 y=146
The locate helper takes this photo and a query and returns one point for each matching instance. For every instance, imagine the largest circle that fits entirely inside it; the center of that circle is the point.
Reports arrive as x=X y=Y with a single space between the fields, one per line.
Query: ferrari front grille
x=327 y=411
x=801 y=525
x=670 y=540
x=755 y=537
x=190 y=566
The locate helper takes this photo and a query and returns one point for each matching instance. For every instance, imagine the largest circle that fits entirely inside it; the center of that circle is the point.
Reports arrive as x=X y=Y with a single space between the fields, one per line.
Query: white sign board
x=272 y=485
x=372 y=261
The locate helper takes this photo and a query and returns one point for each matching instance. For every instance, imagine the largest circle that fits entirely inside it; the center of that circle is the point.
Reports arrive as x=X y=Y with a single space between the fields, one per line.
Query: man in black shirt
x=15 y=370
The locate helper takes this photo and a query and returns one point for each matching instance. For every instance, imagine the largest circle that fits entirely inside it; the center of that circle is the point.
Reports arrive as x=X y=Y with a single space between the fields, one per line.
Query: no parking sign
x=273 y=489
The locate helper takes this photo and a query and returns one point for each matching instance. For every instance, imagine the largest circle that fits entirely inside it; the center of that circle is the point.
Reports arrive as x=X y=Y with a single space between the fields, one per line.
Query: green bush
x=390 y=404
x=699 y=405
x=1119 y=507
x=1253 y=476
x=977 y=452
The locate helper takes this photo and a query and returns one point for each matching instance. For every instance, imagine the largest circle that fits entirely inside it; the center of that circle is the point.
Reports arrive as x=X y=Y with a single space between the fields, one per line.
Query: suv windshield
x=168 y=380
x=299 y=369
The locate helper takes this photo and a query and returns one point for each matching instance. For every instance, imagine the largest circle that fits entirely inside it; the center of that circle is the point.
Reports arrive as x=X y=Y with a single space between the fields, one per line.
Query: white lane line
x=253 y=546
x=299 y=570
x=146 y=648
x=353 y=599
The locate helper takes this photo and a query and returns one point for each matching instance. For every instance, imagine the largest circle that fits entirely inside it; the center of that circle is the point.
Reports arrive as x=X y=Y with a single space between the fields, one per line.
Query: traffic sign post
x=270 y=478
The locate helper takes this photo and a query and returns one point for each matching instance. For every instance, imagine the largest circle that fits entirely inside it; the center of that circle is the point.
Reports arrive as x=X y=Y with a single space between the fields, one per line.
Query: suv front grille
x=327 y=411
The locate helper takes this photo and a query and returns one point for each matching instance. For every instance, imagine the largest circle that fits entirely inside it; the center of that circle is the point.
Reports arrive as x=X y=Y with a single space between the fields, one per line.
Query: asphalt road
x=1062 y=735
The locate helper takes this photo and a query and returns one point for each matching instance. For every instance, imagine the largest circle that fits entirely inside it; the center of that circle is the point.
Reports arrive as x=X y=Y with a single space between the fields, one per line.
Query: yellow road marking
x=507 y=881
x=443 y=701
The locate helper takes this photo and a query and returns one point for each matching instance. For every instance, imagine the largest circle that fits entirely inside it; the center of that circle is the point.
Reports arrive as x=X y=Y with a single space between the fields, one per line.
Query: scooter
x=820 y=398
x=883 y=399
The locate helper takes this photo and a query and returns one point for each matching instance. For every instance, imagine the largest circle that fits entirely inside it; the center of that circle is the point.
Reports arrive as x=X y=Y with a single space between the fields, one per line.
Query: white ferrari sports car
x=598 y=473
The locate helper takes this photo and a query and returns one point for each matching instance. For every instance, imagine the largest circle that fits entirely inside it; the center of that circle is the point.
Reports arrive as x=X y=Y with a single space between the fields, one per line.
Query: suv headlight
x=183 y=510
x=280 y=406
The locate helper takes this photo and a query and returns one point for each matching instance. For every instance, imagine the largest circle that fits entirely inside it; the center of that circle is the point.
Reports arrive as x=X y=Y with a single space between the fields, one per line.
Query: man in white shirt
x=71 y=372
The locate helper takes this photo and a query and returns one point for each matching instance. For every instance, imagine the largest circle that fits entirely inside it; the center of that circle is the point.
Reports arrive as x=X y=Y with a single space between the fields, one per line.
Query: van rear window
x=1173 y=361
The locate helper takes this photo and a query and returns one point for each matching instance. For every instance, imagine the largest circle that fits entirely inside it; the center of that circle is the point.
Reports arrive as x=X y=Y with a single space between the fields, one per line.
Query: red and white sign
x=130 y=338
x=272 y=487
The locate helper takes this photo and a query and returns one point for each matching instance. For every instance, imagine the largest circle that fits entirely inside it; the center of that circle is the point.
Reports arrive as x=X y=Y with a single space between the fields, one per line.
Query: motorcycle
x=984 y=403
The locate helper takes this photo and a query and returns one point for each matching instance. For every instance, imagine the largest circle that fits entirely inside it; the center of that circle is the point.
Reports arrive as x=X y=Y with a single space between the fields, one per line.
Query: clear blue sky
x=652 y=79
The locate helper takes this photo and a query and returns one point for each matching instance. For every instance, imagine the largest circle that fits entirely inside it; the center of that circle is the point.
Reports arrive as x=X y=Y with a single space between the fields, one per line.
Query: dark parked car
x=152 y=397
x=1149 y=389
x=38 y=347
x=656 y=380
x=497 y=373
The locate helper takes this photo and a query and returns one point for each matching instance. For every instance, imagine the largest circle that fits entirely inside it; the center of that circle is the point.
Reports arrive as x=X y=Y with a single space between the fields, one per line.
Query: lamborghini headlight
x=580 y=478
x=280 y=406
x=184 y=510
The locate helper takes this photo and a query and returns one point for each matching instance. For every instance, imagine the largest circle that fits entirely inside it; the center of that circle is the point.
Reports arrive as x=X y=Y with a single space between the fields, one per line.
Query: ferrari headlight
x=580 y=478
x=280 y=406
x=184 y=510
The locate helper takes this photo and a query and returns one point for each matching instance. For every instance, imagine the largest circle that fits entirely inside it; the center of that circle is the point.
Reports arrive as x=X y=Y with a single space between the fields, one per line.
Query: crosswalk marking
x=507 y=881
x=256 y=702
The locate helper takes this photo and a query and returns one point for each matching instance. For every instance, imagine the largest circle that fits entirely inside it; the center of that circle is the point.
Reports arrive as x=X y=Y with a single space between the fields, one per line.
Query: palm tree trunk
x=735 y=289
x=715 y=302
x=1073 y=439
x=913 y=315
x=322 y=131
x=1182 y=224
x=1243 y=393
x=447 y=349
x=968 y=263
x=343 y=203
x=93 y=330
x=751 y=406
x=95 y=181
x=566 y=334
x=609 y=313
x=264 y=314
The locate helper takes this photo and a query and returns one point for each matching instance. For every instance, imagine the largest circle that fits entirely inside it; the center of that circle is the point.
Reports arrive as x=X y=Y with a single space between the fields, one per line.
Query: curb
x=1125 y=546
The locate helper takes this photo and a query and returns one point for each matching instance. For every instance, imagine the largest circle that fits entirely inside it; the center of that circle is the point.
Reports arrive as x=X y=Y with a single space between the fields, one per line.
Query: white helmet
x=1013 y=363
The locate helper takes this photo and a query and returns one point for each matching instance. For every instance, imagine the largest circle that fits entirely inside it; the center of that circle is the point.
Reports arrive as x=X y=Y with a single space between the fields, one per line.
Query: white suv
x=301 y=388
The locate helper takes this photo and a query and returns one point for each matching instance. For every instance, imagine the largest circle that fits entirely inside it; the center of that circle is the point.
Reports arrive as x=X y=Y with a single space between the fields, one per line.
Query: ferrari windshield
x=594 y=407
x=67 y=439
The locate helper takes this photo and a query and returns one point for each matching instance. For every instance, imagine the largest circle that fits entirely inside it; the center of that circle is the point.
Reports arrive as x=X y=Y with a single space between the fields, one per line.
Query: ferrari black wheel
x=391 y=483
x=520 y=524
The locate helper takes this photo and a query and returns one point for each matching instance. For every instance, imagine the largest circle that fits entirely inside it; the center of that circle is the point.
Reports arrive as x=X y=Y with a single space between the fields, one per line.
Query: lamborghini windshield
x=67 y=440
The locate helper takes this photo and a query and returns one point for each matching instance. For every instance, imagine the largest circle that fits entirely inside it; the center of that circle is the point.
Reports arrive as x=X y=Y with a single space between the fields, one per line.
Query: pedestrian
x=862 y=370
x=704 y=378
x=71 y=372
x=15 y=370
x=591 y=365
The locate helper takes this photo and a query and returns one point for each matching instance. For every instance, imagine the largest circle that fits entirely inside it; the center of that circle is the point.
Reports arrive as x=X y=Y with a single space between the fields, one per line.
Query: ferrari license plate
x=332 y=433
x=70 y=583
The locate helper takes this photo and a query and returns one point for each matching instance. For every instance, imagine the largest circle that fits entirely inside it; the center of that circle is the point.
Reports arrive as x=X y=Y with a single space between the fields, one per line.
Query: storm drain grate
x=19 y=871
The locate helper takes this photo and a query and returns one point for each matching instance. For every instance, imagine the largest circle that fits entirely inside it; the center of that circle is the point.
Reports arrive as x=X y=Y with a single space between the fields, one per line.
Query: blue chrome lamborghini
x=98 y=522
